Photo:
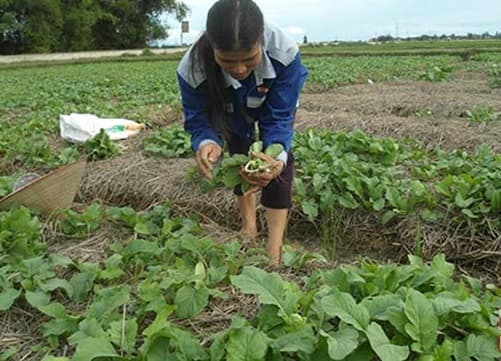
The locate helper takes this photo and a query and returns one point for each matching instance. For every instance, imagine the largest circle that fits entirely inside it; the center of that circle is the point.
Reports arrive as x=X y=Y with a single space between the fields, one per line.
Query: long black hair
x=232 y=25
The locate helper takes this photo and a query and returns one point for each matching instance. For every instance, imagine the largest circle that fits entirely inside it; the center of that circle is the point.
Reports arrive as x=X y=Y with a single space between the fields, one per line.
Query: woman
x=240 y=72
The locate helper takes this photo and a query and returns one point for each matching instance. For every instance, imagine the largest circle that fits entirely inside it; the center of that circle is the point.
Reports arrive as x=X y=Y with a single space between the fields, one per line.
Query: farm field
x=464 y=48
x=392 y=249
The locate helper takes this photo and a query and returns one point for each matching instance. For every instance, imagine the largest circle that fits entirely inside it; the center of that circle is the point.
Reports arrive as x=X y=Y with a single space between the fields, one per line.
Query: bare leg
x=276 y=220
x=247 y=207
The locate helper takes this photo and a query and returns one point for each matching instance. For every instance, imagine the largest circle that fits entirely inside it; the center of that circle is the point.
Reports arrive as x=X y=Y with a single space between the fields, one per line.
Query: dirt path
x=5 y=59
x=433 y=113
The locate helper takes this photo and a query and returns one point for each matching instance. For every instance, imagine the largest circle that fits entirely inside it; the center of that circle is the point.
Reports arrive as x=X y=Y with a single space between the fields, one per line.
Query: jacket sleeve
x=196 y=121
x=276 y=122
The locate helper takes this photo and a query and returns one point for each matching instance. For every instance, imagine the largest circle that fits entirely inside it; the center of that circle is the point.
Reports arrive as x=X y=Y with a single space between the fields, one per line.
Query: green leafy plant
x=81 y=224
x=299 y=258
x=132 y=304
x=437 y=73
x=20 y=235
x=349 y=171
x=483 y=115
x=6 y=184
x=100 y=147
x=376 y=312
x=495 y=82
x=227 y=172
x=168 y=142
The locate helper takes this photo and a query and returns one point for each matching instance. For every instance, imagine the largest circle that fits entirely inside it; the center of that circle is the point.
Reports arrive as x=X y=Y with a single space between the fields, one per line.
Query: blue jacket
x=269 y=96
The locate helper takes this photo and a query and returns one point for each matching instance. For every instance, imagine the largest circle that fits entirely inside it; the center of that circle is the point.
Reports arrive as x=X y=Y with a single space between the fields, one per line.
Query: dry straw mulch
x=139 y=181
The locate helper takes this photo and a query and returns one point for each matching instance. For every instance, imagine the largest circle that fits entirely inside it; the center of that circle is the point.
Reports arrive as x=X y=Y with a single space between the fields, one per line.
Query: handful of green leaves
x=227 y=174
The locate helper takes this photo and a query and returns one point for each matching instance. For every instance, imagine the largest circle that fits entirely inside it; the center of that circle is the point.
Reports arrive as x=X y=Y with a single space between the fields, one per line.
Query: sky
x=353 y=20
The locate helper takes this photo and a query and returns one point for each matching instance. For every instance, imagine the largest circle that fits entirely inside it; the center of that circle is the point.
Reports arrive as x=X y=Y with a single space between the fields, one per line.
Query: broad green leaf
x=90 y=348
x=378 y=306
x=59 y=260
x=310 y=209
x=87 y=328
x=108 y=300
x=113 y=268
x=426 y=358
x=54 y=358
x=460 y=351
x=140 y=246
x=441 y=267
x=423 y=323
x=159 y=350
x=341 y=343
x=446 y=303
x=60 y=326
x=344 y=306
x=335 y=278
x=461 y=202
x=41 y=301
x=348 y=201
x=187 y=346
x=444 y=352
x=303 y=340
x=190 y=301
x=483 y=348
x=387 y=217
x=164 y=339
x=8 y=354
x=231 y=178
x=7 y=298
x=148 y=228
x=429 y=215
x=468 y=212
x=496 y=201
x=382 y=345
x=475 y=284
x=393 y=197
x=363 y=353
x=269 y=287
x=56 y=283
x=246 y=344
x=81 y=284
x=378 y=204
x=123 y=334
x=397 y=319
x=217 y=347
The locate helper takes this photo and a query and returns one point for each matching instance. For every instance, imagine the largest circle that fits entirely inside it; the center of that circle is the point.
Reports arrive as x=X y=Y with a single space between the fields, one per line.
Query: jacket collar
x=264 y=70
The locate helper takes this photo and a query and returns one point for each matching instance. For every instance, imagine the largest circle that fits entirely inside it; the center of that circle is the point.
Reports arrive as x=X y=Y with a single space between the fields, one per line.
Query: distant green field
x=439 y=47
x=34 y=96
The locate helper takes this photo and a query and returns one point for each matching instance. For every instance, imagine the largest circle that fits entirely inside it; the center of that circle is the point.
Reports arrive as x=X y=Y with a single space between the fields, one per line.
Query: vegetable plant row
x=33 y=98
x=164 y=273
x=355 y=170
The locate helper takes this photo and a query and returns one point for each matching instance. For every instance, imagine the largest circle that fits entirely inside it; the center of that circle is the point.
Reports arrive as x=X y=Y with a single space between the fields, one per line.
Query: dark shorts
x=278 y=193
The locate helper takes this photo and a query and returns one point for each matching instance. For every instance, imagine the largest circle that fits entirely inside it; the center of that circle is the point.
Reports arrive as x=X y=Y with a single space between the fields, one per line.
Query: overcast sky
x=327 y=20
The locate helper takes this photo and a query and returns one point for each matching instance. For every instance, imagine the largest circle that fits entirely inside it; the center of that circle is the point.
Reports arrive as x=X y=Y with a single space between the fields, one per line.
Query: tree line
x=45 y=26
x=469 y=36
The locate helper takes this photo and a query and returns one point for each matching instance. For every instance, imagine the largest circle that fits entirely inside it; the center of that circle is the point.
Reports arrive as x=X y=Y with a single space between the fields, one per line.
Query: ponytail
x=213 y=89
x=232 y=25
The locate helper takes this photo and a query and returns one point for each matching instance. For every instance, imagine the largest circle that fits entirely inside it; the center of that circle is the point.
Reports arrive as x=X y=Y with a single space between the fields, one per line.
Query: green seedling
x=256 y=165
x=227 y=174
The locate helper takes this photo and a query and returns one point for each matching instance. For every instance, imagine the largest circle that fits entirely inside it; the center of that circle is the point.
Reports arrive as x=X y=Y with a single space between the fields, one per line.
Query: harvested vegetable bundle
x=227 y=174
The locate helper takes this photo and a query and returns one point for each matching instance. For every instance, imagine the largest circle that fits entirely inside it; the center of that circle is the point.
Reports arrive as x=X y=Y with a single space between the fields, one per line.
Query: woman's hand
x=206 y=156
x=263 y=178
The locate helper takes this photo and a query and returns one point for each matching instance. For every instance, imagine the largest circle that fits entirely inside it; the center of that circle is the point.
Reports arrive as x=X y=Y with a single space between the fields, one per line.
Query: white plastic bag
x=78 y=128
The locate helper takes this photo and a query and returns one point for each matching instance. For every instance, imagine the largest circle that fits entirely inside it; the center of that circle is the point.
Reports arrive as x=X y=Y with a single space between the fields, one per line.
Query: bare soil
x=433 y=113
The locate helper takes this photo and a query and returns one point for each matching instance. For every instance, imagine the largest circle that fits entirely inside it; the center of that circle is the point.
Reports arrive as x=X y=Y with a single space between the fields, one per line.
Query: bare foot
x=250 y=234
x=275 y=254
